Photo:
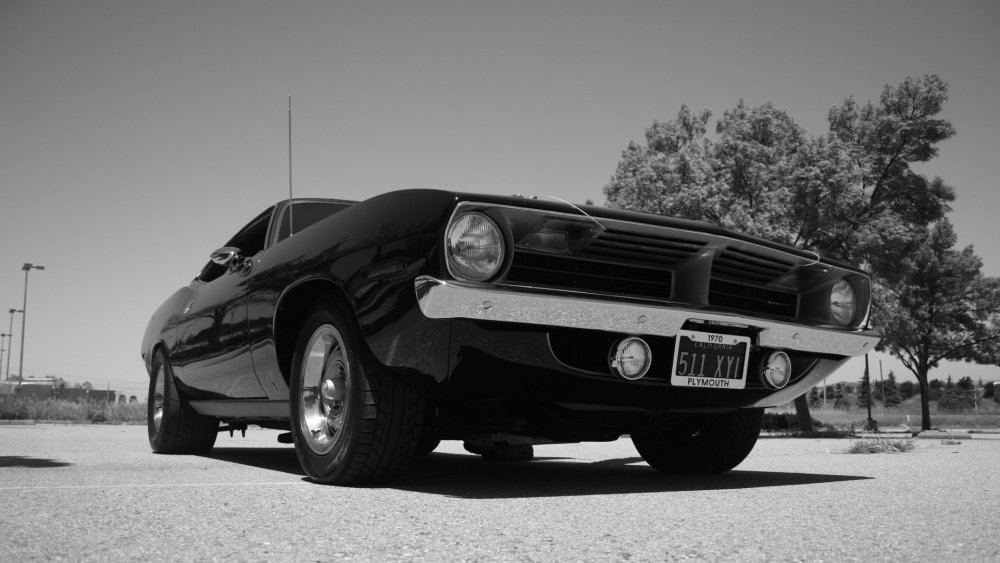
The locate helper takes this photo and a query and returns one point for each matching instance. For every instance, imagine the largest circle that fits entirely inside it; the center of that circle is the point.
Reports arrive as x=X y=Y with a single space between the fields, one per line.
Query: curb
x=943 y=435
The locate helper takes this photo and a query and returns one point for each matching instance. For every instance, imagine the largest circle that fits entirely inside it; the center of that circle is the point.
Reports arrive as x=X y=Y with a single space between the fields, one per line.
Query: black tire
x=702 y=445
x=352 y=421
x=173 y=426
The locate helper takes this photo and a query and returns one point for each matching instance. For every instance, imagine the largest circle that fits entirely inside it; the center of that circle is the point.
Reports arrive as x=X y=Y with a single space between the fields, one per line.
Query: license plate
x=710 y=360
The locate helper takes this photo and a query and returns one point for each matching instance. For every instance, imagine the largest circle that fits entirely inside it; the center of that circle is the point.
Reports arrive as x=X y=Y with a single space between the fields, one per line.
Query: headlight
x=843 y=302
x=475 y=247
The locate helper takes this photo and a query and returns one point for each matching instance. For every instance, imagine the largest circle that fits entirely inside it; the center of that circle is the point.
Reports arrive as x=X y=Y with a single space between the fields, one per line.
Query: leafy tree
x=884 y=141
x=940 y=307
x=989 y=390
x=839 y=398
x=906 y=389
x=890 y=391
x=671 y=174
x=814 y=399
x=878 y=394
x=965 y=384
x=59 y=388
x=850 y=194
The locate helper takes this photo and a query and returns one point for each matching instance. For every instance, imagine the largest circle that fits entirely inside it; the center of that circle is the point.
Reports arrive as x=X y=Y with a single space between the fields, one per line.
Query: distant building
x=33 y=387
x=49 y=380
x=49 y=387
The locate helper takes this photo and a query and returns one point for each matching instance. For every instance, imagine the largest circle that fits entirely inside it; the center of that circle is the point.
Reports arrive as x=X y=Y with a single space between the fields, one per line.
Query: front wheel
x=702 y=445
x=352 y=421
x=173 y=426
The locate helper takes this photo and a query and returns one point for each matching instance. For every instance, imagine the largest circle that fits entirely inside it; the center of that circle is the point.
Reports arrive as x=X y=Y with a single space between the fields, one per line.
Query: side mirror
x=226 y=255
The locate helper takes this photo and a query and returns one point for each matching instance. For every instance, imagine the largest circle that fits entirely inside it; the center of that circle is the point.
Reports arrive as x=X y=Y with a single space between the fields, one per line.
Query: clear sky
x=137 y=136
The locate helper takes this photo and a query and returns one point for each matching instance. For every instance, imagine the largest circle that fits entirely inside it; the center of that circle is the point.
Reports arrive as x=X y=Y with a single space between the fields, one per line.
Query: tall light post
x=2 y=349
x=11 y=335
x=24 y=314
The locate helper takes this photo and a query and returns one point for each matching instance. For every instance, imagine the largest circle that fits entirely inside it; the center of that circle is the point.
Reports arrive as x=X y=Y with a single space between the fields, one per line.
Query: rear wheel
x=173 y=426
x=702 y=445
x=352 y=421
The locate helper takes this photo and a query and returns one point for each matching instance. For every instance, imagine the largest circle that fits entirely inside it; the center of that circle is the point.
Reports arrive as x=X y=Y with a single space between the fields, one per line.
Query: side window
x=306 y=214
x=250 y=240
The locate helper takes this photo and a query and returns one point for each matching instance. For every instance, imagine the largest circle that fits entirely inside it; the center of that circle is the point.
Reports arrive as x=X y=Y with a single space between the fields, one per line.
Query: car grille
x=737 y=280
x=641 y=247
x=749 y=267
x=640 y=261
x=549 y=270
x=729 y=295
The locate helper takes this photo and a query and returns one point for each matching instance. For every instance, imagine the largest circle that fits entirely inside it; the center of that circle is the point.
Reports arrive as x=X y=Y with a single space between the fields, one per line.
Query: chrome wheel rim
x=323 y=402
x=158 y=400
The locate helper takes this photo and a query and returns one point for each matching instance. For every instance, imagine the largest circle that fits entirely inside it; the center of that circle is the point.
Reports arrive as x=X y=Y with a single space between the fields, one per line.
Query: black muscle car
x=373 y=330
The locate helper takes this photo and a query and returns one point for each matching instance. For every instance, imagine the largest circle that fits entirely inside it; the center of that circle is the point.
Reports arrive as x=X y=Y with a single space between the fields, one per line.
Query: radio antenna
x=290 y=229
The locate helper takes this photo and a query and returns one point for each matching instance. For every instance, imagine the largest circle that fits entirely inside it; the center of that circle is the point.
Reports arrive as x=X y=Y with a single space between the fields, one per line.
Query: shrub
x=18 y=408
x=954 y=401
x=880 y=446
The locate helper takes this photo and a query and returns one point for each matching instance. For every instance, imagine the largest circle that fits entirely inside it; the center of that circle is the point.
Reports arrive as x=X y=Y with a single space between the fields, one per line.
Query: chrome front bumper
x=440 y=299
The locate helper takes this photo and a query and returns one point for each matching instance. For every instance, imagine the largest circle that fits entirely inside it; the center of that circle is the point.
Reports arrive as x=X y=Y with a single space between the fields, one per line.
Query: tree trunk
x=925 y=399
x=802 y=412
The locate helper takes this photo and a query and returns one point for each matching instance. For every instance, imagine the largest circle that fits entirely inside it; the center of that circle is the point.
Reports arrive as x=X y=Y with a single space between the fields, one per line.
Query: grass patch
x=86 y=412
x=987 y=415
x=880 y=445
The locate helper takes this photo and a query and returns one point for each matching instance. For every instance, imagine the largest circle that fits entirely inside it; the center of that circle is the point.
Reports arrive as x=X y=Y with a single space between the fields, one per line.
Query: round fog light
x=777 y=370
x=631 y=358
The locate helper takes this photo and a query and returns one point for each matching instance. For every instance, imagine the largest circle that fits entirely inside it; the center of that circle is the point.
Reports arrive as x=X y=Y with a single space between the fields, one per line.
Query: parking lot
x=97 y=493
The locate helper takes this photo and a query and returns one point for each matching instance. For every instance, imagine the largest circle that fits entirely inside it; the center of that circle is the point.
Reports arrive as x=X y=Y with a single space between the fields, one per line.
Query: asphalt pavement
x=96 y=493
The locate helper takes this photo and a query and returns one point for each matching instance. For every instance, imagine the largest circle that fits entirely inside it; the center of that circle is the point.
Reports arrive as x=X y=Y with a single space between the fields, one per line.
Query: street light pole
x=2 y=336
x=11 y=334
x=24 y=315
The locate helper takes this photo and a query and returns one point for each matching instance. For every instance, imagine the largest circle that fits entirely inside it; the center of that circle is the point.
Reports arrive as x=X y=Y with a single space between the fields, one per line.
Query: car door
x=277 y=271
x=212 y=354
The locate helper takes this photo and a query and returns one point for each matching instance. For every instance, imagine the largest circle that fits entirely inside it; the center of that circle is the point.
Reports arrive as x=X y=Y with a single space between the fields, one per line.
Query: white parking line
x=153 y=486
